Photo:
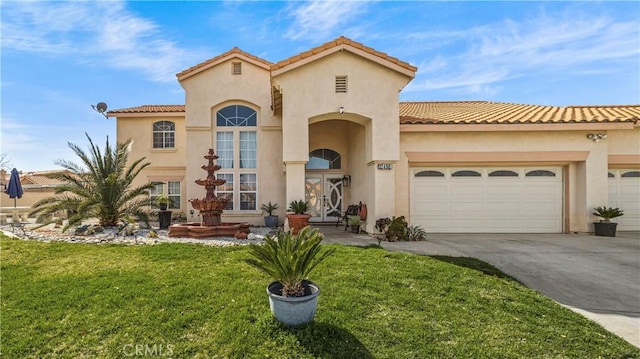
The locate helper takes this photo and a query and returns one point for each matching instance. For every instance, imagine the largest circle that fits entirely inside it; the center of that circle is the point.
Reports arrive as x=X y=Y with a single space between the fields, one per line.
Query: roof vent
x=237 y=68
x=341 y=84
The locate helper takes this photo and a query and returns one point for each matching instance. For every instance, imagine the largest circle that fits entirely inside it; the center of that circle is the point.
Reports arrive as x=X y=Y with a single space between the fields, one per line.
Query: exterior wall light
x=341 y=109
x=346 y=180
x=596 y=137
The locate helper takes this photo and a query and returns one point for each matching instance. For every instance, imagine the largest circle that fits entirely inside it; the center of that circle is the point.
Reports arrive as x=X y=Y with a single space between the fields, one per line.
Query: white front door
x=323 y=192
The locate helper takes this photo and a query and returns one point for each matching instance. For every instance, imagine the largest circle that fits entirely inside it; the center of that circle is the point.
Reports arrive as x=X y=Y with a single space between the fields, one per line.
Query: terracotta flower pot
x=298 y=221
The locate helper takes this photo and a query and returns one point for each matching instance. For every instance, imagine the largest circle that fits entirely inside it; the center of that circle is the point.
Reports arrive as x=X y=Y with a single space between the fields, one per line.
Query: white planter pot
x=293 y=311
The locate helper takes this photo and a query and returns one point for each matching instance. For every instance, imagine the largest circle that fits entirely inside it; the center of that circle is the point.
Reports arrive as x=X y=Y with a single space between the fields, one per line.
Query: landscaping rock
x=115 y=235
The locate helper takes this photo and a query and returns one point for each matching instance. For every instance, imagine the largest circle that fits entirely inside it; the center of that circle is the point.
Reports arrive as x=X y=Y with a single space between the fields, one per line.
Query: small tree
x=102 y=187
x=5 y=162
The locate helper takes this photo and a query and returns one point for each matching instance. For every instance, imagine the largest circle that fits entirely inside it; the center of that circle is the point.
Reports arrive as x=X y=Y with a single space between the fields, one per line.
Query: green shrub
x=397 y=230
x=354 y=220
x=416 y=233
x=382 y=224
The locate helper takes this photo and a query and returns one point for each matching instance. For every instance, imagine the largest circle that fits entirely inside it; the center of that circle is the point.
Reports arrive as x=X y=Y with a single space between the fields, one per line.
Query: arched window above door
x=324 y=159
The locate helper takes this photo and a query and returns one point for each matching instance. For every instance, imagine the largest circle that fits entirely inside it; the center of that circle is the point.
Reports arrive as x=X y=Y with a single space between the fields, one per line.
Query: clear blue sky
x=58 y=58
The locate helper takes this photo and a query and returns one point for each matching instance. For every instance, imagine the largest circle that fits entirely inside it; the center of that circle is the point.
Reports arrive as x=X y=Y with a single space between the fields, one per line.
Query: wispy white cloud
x=317 y=20
x=105 y=33
x=16 y=136
x=540 y=46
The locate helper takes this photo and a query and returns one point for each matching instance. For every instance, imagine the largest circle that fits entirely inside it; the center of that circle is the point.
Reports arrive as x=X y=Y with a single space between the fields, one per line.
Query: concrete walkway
x=598 y=277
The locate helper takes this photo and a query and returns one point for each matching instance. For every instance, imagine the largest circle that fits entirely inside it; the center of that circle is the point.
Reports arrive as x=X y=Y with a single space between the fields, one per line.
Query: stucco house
x=327 y=126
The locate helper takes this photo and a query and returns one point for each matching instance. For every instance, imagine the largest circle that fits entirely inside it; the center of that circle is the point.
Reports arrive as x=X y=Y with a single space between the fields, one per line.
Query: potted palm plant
x=299 y=218
x=354 y=222
x=605 y=227
x=270 y=220
x=162 y=201
x=289 y=259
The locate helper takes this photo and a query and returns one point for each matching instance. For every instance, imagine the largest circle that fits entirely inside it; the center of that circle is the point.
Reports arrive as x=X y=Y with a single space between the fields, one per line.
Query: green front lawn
x=184 y=301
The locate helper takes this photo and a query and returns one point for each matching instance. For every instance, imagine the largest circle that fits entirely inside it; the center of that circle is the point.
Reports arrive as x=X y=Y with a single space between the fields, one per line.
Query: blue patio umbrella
x=14 y=189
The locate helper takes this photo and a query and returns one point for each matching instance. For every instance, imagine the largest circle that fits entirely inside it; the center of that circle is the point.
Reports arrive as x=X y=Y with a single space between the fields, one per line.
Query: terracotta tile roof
x=203 y=65
x=39 y=178
x=473 y=112
x=484 y=112
x=342 y=41
x=148 y=109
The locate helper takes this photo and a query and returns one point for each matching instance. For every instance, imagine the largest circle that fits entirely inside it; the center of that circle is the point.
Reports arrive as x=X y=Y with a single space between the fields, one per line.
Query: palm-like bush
x=607 y=213
x=416 y=233
x=99 y=188
x=299 y=207
x=289 y=258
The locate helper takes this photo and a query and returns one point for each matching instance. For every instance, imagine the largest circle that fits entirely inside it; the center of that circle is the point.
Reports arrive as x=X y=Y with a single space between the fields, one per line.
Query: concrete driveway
x=598 y=277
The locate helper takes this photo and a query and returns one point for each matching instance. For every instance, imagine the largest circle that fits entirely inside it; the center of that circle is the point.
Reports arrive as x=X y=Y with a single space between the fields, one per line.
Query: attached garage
x=487 y=200
x=624 y=193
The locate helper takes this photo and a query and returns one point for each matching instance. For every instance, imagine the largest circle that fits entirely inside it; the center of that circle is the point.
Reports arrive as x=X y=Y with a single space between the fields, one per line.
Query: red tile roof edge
x=235 y=50
x=341 y=41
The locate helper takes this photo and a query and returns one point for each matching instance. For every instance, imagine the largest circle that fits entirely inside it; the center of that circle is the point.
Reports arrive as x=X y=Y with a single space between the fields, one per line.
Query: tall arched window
x=237 y=149
x=164 y=134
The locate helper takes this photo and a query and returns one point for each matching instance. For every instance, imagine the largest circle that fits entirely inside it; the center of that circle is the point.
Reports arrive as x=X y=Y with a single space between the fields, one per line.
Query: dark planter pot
x=355 y=229
x=163 y=206
x=298 y=221
x=164 y=219
x=293 y=311
x=271 y=221
x=605 y=229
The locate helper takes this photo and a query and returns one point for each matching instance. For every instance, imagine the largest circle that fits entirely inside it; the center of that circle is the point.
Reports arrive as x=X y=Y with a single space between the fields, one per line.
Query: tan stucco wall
x=166 y=164
x=624 y=148
x=371 y=101
x=214 y=89
x=31 y=194
x=310 y=91
x=586 y=180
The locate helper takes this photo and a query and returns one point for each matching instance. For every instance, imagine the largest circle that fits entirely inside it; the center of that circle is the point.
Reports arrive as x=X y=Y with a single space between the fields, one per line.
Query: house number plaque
x=385 y=166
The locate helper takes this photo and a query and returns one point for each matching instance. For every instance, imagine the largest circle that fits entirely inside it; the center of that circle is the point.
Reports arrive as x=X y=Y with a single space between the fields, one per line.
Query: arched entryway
x=323 y=185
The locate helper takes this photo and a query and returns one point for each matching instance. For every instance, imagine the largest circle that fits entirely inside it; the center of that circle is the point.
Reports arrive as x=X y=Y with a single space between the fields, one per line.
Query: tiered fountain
x=210 y=209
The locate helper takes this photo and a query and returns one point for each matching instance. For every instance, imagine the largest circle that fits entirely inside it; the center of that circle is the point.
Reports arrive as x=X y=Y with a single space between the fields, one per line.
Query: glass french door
x=323 y=192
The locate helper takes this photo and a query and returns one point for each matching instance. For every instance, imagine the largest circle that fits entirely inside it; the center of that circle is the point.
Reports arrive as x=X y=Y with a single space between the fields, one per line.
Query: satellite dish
x=101 y=107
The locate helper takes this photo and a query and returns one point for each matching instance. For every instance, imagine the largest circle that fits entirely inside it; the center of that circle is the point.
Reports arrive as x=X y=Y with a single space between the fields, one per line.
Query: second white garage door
x=487 y=200
x=624 y=193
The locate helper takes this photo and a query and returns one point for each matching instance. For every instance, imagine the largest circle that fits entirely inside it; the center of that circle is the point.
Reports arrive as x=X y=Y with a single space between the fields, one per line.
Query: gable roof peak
x=342 y=42
x=234 y=52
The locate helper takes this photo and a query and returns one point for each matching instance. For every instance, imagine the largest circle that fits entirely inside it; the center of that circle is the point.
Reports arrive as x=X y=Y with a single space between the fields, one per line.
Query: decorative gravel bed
x=113 y=235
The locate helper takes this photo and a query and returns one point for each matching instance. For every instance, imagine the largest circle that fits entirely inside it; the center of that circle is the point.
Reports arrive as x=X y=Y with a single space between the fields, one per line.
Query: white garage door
x=487 y=200
x=624 y=193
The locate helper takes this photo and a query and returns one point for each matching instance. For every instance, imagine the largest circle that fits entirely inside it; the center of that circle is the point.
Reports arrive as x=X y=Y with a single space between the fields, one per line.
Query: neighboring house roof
x=339 y=44
x=485 y=112
x=167 y=110
x=233 y=53
x=39 y=179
